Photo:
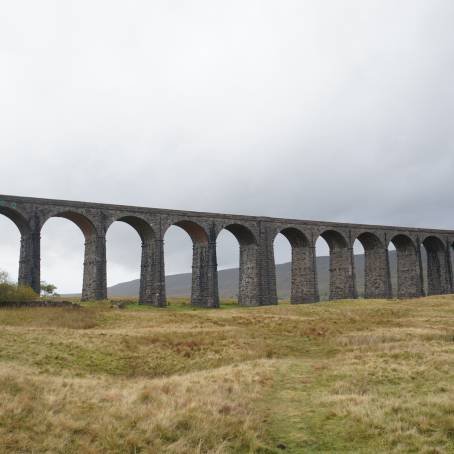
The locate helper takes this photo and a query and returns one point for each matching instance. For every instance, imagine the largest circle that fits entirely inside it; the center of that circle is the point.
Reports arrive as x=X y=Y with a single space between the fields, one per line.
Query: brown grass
x=350 y=376
x=200 y=412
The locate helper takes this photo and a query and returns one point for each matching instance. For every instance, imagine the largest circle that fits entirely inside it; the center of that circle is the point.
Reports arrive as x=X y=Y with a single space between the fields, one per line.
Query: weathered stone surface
x=409 y=267
x=255 y=236
x=377 y=276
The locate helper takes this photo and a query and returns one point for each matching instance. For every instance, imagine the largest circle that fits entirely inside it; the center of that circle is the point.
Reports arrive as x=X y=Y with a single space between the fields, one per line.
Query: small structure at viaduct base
x=255 y=235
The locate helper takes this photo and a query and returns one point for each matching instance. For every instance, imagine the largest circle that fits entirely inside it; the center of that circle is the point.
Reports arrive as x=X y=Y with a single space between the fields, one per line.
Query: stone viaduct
x=255 y=236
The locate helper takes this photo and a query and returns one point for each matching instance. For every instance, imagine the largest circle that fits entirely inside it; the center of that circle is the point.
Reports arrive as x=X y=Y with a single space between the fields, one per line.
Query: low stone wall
x=38 y=303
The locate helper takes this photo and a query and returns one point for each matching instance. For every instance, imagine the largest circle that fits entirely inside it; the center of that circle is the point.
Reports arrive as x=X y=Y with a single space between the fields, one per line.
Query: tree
x=48 y=289
x=4 y=277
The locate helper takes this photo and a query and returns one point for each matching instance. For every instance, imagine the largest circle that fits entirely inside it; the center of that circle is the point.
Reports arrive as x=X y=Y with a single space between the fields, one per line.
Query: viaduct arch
x=255 y=236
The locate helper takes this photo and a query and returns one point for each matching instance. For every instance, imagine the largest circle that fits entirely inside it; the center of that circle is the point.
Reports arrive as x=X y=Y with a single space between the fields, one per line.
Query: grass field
x=349 y=376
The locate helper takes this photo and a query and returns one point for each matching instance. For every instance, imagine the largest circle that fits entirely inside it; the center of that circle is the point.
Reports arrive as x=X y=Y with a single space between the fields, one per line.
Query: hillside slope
x=180 y=284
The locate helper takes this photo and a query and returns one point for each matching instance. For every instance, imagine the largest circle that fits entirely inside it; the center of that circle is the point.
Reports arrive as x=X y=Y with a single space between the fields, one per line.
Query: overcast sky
x=312 y=109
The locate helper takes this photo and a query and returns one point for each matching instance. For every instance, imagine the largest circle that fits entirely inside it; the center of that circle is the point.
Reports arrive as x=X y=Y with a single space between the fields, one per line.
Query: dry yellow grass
x=197 y=412
x=349 y=376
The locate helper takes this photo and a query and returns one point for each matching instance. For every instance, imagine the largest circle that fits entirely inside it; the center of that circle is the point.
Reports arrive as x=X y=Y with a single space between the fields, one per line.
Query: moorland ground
x=349 y=376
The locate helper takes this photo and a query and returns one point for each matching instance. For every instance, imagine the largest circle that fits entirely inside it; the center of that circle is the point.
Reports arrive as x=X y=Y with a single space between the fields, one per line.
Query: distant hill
x=180 y=284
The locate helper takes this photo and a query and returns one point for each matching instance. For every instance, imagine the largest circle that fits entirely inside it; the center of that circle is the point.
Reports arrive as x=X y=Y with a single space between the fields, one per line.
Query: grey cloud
x=304 y=109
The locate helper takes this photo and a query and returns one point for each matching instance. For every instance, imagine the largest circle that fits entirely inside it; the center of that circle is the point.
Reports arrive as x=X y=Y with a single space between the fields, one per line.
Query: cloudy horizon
x=324 y=110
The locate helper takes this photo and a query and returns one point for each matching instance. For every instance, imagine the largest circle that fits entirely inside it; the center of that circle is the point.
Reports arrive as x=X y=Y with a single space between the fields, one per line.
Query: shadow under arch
x=409 y=267
x=295 y=237
x=142 y=227
x=334 y=239
x=248 y=277
x=304 y=287
x=84 y=223
x=197 y=233
x=341 y=267
x=17 y=218
x=243 y=234
x=438 y=266
x=377 y=280
x=148 y=290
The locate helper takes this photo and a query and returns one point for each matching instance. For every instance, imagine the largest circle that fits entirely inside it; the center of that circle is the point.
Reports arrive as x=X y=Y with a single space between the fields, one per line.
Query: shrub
x=24 y=293
x=13 y=292
x=48 y=289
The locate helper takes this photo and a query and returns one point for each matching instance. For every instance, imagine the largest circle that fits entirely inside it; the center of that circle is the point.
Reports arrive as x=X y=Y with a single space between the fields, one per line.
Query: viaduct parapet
x=255 y=236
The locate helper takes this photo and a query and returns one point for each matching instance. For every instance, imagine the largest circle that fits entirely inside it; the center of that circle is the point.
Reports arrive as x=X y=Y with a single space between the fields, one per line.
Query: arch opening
x=202 y=273
x=295 y=237
x=62 y=254
x=360 y=267
x=178 y=246
x=298 y=275
x=196 y=232
x=244 y=235
x=403 y=243
x=369 y=241
x=93 y=256
x=142 y=227
x=335 y=240
x=322 y=265
x=283 y=266
x=228 y=258
x=17 y=218
x=247 y=269
x=84 y=224
x=10 y=240
x=129 y=257
x=392 y=257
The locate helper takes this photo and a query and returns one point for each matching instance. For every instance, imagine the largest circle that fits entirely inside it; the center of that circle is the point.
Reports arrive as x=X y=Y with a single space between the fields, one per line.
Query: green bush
x=14 y=292
x=48 y=289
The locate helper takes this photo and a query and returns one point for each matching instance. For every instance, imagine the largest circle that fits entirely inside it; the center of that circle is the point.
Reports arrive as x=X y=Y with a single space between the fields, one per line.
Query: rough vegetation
x=347 y=376
x=11 y=292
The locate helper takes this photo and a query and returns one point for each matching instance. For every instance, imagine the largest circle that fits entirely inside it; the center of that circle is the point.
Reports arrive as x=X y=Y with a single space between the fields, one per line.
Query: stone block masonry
x=255 y=235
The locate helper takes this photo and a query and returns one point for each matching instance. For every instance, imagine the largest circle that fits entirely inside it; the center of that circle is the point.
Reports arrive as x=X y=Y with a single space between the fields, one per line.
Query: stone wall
x=255 y=236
